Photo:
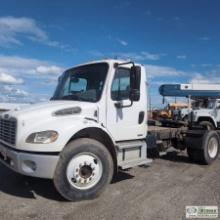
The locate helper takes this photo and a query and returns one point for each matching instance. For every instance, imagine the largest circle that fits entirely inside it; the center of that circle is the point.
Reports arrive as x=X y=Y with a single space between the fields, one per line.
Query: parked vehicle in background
x=171 y=110
x=184 y=113
x=205 y=112
x=208 y=116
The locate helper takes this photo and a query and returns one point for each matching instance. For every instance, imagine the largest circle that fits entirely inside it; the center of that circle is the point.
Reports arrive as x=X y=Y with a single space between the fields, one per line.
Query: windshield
x=84 y=83
x=211 y=104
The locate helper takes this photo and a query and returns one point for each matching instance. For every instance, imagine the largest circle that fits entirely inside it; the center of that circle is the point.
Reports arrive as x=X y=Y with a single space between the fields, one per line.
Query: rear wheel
x=186 y=118
x=84 y=169
x=207 y=124
x=209 y=150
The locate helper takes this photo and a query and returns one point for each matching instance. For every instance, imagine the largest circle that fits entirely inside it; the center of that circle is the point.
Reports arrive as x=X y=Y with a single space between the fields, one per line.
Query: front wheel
x=208 y=125
x=84 y=169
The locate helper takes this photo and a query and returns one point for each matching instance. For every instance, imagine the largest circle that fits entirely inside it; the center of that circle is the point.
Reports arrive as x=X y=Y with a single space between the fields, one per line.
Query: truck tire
x=209 y=150
x=192 y=154
x=185 y=118
x=85 y=168
x=207 y=124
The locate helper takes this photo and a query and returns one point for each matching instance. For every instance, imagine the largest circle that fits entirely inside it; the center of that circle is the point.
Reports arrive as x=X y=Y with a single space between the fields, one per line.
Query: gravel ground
x=160 y=191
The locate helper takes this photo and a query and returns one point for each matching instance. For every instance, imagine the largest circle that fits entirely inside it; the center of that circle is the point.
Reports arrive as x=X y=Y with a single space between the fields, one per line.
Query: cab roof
x=110 y=61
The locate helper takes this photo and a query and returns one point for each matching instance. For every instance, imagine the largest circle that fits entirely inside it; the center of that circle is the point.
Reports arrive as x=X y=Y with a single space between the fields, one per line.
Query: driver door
x=125 y=123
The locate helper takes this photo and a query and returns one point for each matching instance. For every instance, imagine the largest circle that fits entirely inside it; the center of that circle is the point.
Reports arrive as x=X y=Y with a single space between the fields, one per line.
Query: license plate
x=3 y=153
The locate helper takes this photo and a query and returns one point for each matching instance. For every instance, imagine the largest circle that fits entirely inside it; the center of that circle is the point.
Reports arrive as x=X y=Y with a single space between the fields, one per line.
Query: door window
x=121 y=85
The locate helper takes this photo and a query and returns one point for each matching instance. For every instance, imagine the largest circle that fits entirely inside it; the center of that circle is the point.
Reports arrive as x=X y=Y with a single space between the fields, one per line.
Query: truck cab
x=94 y=123
x=208 y=115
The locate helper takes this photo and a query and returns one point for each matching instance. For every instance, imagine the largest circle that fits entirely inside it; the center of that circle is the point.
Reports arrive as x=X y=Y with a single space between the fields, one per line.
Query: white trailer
x=94 y=125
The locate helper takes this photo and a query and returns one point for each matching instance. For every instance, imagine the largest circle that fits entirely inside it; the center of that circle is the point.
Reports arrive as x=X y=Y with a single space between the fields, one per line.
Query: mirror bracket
x=116 y=65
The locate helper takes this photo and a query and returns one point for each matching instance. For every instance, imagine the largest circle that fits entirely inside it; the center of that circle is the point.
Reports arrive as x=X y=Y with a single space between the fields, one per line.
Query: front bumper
x=30 y=164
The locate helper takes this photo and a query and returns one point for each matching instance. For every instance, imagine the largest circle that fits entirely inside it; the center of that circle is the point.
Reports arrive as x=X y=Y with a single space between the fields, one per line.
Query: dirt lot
x=160 y=191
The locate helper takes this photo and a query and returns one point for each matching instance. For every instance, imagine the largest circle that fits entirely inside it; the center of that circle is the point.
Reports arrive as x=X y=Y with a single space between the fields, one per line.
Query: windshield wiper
x=74 y=97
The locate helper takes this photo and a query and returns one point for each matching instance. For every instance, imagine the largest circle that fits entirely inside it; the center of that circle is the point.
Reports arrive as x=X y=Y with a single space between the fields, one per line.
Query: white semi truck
x=95 y=124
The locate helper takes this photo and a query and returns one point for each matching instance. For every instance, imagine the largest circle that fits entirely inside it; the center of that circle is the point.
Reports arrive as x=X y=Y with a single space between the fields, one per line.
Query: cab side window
x=120 y=89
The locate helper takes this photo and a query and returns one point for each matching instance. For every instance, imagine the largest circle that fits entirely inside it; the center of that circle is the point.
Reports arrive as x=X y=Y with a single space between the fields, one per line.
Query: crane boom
x=190 y=90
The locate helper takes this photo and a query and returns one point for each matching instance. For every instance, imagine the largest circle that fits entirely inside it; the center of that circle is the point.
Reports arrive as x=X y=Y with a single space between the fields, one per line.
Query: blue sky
x=178 y=41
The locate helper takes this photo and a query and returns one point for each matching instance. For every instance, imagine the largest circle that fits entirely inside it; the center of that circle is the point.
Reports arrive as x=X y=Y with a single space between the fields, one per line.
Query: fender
x=207 y=118
x=100 y=134
x=66 y=127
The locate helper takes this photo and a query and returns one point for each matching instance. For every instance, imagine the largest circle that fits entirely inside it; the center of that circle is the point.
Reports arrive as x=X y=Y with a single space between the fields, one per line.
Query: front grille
x=8 y=130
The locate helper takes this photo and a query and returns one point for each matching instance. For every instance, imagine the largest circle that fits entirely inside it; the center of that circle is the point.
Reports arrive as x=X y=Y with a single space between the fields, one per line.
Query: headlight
x=43 y=137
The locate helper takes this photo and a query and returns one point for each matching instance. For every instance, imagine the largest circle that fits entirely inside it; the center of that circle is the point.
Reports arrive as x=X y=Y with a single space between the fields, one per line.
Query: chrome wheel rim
x=84 y=171
x=213 y=147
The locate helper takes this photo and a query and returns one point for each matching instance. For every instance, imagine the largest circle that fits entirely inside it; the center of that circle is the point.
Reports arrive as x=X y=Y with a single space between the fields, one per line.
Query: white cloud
x=12 y=29
x=13 y=94
x=136 y=56
x=205 y=65
x=49 y=70
x=158 y=71
x=181 y=57
x=18 y=66
x=205 y=38
x=209 y=78
x=96 y=53
x=141 y=56
x=122 y=42
x=19 y=74
x=9 y=90
x=8 y=79
x=59 y=45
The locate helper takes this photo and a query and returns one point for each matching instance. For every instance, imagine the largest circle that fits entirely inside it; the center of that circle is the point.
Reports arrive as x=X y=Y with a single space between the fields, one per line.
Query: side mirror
x=135 y=81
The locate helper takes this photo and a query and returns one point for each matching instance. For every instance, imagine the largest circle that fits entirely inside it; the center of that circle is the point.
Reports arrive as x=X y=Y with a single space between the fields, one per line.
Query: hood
x=47 y=109
x=203 y=111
